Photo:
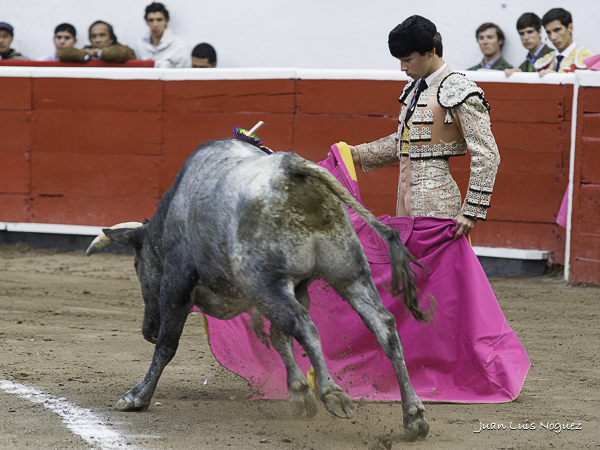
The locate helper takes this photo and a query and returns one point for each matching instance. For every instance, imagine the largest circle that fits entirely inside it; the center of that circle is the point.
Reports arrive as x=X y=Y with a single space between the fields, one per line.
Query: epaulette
x=456 y=88
x=544 y=61
x=409 y=87
x=581 y=54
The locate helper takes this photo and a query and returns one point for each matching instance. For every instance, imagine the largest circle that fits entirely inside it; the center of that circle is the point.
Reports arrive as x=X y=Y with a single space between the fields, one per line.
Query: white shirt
x=171 y=51
x=431 y=77
x=565 y=54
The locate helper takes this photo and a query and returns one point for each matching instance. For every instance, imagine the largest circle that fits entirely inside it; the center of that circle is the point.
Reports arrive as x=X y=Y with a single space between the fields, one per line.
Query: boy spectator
x=104 y=47
x=204 y=56
x=7 y=33
x=65 y=36
x=529 y=27
x=491 y=40
x=568 y=57
x=160 y=45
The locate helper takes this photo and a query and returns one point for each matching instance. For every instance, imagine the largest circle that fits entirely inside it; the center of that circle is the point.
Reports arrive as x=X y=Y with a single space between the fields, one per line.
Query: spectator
x=204 y=56
x=160 y=45
x=529 y=27
x=568 y=56
x=105 y=47
x=7 y=33
x=64 y=36
x=491 y=40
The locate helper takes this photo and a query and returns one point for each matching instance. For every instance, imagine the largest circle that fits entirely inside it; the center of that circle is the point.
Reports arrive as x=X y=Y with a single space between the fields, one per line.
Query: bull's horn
x=103 y=240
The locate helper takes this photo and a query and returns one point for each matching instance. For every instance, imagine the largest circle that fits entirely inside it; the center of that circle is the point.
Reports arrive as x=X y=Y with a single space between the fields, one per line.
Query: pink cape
x=467 y=354
x=561 y=218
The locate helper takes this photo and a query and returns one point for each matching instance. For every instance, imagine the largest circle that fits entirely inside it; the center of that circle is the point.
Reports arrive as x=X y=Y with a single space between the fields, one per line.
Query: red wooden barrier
x=585 y=236
x=98 y=151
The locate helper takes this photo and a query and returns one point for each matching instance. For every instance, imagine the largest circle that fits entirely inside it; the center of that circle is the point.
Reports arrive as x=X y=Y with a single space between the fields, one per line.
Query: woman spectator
x=160 y=45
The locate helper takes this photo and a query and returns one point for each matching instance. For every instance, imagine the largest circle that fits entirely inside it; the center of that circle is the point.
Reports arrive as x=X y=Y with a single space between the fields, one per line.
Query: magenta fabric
x=468 y=353
x=561 y=218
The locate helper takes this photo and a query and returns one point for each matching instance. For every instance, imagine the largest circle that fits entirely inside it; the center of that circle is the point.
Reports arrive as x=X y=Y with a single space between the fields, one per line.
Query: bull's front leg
x=175 y=303
x=363 y=297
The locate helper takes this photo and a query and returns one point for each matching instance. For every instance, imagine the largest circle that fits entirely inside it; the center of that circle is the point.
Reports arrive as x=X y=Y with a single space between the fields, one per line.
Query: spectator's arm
x=72 y=54
x=117 y=53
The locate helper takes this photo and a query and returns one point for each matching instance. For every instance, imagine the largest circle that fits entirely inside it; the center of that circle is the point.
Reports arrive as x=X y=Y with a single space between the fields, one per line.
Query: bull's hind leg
x=302 y=399
x=279 y=305
x=362 y=295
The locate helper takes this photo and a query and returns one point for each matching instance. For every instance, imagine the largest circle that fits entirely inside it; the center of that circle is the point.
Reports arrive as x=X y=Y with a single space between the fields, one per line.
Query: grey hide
x=240 y=229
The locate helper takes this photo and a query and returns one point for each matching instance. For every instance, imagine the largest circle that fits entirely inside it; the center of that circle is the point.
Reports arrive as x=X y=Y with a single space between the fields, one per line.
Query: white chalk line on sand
x=80 y=421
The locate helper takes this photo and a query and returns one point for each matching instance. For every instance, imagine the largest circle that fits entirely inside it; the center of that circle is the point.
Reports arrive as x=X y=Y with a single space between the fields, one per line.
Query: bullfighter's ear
x=124 y=236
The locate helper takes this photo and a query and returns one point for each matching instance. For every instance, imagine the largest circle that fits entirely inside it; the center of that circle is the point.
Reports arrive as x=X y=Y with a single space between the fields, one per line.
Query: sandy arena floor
x=70 y=327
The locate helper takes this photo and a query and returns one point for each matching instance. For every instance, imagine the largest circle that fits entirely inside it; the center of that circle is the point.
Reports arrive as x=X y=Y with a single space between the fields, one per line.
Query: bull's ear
x=125 y=236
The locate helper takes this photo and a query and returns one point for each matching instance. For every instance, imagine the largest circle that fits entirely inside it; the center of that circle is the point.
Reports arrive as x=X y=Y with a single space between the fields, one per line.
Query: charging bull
x=240 y=229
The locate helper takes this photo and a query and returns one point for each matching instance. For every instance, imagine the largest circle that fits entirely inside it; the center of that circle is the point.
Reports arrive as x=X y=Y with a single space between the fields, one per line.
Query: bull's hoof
x=415 y=423
x=303 y=400
x=129 y=403
x=337 y=402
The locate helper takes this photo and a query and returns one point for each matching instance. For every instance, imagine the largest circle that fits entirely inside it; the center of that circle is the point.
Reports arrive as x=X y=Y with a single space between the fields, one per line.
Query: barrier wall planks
x=585 y=240
x=93 y=151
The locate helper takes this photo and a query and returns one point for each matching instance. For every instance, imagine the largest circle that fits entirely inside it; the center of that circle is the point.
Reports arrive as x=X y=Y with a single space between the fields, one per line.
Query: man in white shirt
x=160 y=45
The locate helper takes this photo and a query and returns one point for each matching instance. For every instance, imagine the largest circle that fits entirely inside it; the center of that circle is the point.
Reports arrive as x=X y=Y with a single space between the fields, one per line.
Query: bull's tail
x=403 y=276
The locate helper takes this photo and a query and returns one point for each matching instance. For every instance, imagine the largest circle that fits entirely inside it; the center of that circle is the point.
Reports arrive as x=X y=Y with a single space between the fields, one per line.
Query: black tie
x=559 y=58
x=421 y=86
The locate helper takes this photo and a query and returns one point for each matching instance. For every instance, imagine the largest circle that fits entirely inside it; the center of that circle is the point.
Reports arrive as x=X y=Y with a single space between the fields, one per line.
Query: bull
x=240 y=229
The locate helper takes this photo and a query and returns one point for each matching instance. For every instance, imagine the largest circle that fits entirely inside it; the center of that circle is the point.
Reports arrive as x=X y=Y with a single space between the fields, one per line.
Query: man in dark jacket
x=7 y=34
x=491 y=40
x=104 y=47
x=529 y=27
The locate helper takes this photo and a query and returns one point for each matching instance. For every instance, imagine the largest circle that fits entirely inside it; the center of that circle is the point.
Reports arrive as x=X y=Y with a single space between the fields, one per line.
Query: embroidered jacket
x=570 y=64
x=452 y=115
x=540 y=63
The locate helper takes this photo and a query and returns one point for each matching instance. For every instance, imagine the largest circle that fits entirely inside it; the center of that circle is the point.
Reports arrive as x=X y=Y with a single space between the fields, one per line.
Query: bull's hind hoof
x=305 y=406
x=337 y=402
x=303 y=400
x=416 y=425
x=129 y=403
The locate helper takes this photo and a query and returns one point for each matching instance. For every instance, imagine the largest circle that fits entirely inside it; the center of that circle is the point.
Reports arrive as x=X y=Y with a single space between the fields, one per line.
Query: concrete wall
x=340 y=34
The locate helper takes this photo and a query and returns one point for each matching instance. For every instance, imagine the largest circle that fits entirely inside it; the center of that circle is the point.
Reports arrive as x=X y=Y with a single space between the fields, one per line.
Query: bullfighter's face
x=418 y=66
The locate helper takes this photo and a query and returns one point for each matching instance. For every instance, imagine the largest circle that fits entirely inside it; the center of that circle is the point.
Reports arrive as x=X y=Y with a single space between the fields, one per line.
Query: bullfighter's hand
x=354 y=152
x=465 y=225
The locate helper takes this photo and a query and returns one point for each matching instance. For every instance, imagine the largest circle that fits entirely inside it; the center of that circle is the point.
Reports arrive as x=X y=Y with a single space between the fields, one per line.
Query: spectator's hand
x=545 y=71
x=509 y=72
x=465 y=225
x=93 y=52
